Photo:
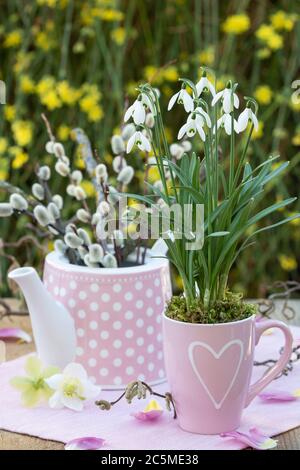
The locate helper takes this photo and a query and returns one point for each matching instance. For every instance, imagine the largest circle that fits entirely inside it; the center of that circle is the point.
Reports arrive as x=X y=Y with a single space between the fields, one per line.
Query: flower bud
x=76 y=176
x=42 y=216
x=49 y=147
x=177 y=151
x=79 y=193
x=103 y=208
x=150 y=120
x=126 y=175
x=6 y=209
x=72 y=241
x=38 y=191
x=65 y=160
x=58 y=200
x=71 y=189
x=186 y=144
x=18 y=202
x=44 y=173
x=89 y=263
x=83 y=216
x=70 y=228
x=60 y=246
x=109 y=261
x=119 y=163
x=113 y=195
x=117 y=144
x=82 y=251
x=53 y=210
x=119 y=238
x=96 y=218
x=101 y=173
x=58 y=149
x=159 y=185
x=95 y=253
x=62 y=169
x=128 y=131
x=84 y=236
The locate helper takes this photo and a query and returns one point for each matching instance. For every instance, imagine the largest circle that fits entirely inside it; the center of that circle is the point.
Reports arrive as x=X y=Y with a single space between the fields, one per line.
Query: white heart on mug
x=217 y=355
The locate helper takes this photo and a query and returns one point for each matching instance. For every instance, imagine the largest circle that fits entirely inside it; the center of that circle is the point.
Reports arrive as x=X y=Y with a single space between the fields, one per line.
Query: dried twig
x=139 y=390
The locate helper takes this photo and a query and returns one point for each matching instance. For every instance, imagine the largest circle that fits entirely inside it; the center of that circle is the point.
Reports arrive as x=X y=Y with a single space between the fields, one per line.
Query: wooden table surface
x=12 y=441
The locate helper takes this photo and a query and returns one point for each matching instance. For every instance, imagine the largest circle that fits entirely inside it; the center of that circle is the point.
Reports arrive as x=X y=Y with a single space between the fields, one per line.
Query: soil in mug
x=231 y=308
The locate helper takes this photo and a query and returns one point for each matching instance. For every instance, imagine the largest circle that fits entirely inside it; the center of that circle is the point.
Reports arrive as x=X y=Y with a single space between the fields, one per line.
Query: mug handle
x=257 y=387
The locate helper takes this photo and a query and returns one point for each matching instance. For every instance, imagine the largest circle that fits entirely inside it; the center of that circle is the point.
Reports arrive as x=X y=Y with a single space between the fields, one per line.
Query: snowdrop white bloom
x=225 y=121
x=204 y=84
x=227 y=95
x=71 y=388
x=192 y=126
x=140 y=140
x=200 y=113
x=246 y=116
x=138 y=110
x=182 y=97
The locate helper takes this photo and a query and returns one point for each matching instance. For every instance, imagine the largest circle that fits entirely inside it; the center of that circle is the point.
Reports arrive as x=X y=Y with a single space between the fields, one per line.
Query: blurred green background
x=79 y=61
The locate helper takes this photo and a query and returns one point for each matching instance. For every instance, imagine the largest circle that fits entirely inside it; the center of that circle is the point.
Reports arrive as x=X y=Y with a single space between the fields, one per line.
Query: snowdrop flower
x=246 y=116
x=192 y=126
x=182 y=97
x=71 y=388
x=227 y=95
x=204 y=84
x=137 y=111
x=225 y=121
x=140 y=140
x=200 y=113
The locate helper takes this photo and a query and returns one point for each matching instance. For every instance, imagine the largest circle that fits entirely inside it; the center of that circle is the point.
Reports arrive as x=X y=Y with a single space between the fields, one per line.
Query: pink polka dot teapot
x=109 y=320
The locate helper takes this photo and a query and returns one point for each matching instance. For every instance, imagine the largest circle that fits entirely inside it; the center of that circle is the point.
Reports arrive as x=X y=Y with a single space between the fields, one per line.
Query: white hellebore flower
x=194 y=124
x=205 y=84
x=140 y=140
x=226 y=122
x=227 y=95
x=182 y=97
x=71 y=388
x=246 y=116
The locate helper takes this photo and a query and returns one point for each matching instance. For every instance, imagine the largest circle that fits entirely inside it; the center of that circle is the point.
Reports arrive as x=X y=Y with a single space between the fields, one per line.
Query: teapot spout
x=52 y=326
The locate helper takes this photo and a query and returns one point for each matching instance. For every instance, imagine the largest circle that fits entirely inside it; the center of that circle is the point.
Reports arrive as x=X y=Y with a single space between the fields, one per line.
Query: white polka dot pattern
x=118 y=320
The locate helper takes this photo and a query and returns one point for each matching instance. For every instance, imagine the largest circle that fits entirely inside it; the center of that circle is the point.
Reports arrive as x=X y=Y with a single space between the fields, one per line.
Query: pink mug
x=209 y=369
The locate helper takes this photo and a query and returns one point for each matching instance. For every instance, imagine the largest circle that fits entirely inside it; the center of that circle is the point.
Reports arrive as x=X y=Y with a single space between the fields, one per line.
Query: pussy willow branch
x=138 y=389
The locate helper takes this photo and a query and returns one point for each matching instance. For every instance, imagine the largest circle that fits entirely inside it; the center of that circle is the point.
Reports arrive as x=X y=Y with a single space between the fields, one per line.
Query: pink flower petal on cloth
x=85 y=443
x=277 y=396
x=254 y=438
x=151 y=415
x=152 y=412
x=15 y=333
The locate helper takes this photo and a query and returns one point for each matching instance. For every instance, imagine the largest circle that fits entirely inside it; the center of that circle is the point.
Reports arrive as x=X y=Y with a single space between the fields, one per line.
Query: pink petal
x=85 y=443
x=277 y=396
x=15 y=333
x=254 y=438
x=151 y=415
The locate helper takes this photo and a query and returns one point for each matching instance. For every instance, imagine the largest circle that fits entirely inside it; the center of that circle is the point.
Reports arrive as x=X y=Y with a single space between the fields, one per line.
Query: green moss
x=231 y=308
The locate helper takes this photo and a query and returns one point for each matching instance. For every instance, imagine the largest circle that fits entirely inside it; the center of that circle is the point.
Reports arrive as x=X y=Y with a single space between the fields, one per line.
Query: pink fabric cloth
x=122 y=431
